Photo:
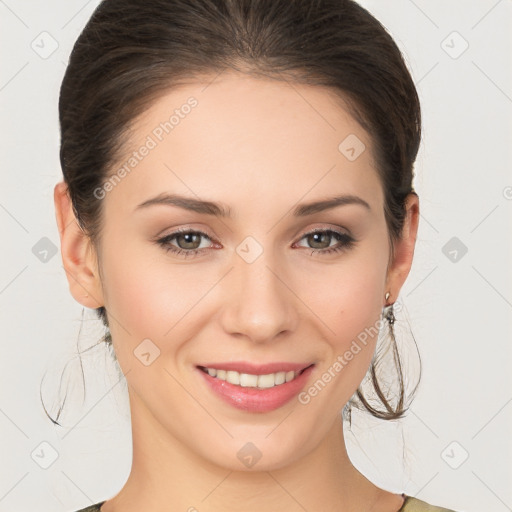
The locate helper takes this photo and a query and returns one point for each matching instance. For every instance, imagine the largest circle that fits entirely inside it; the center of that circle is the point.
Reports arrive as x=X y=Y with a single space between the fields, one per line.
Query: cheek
x=348 y=299
x=131 y=285
x=348 y=295
x=148 y=296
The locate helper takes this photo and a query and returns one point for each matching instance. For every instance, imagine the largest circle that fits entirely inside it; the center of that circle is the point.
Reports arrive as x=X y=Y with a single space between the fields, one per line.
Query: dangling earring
x=388 y=313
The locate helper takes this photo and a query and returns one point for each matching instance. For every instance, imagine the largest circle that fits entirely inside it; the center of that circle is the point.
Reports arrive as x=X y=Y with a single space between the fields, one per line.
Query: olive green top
x=410 y=505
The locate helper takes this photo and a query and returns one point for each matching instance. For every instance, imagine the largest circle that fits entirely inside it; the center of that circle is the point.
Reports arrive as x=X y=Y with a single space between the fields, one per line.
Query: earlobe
x=404 y=247
x=78 y=255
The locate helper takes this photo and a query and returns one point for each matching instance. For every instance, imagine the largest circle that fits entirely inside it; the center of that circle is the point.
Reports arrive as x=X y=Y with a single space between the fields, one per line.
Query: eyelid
x=184 y=229
x=321 y=229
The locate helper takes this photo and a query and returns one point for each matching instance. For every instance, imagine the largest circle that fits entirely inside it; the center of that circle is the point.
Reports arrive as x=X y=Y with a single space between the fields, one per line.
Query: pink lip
x=253 y=399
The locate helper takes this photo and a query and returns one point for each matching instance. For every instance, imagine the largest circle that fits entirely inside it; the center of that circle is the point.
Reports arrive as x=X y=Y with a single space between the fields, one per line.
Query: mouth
x=253 y=380
x=252 y=388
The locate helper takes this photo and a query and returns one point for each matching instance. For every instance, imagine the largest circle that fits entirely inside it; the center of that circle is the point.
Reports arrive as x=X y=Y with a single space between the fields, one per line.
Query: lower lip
x=254 y=399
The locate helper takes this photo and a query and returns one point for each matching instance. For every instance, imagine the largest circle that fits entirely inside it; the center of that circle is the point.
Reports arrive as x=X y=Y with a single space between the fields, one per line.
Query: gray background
x=453 y=448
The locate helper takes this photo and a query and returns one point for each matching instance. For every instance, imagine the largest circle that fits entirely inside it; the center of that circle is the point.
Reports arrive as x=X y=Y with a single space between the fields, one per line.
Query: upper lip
x=257 y=369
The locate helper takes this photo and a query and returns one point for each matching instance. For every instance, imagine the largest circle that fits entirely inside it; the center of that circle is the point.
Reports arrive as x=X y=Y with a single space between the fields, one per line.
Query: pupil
x=319 y=240
x=188 y=241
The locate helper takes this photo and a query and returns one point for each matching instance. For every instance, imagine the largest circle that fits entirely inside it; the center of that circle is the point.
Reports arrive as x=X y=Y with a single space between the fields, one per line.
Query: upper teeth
x=248 y=380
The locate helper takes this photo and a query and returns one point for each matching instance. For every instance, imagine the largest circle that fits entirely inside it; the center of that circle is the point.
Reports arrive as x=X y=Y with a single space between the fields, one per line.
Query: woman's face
x=252 y=168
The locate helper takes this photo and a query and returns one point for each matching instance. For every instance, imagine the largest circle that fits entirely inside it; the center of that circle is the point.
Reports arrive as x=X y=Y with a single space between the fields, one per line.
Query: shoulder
x=92 y=508
x=414 y=505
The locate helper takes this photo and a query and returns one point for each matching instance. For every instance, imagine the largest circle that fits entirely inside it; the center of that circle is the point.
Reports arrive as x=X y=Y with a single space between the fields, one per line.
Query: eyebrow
x=188 y=203
x=317 y=206
x=219 y=210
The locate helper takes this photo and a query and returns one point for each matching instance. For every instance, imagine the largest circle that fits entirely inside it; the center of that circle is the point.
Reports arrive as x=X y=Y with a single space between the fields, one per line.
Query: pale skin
x=260 y=148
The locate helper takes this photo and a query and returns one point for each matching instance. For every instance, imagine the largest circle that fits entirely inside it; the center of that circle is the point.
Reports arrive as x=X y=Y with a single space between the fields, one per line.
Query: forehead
x=234 y=137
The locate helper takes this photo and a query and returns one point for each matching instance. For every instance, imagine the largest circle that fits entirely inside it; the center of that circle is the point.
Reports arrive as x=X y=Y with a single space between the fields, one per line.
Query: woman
x=237 y=205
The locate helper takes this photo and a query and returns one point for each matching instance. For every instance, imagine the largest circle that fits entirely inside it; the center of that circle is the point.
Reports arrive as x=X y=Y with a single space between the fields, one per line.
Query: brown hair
x=132 y=51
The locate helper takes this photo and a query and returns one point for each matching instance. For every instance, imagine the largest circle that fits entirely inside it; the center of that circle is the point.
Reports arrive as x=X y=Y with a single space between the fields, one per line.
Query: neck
x=167 y=475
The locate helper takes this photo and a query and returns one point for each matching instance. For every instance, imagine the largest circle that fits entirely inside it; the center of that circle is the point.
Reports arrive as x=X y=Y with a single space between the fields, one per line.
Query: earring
x=389 y=315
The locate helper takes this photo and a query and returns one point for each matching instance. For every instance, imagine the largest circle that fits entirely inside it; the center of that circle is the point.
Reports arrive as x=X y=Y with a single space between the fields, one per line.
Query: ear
x=401 y=262
x=78 y=254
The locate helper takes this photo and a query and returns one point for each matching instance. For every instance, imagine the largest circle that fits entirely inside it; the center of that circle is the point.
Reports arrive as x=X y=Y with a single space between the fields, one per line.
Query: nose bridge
x=258 y=304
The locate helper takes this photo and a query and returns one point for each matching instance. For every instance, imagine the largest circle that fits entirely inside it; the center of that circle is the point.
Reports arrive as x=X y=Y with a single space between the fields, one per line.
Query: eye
x=185 y=242
x=321 y=241
x=189 y=243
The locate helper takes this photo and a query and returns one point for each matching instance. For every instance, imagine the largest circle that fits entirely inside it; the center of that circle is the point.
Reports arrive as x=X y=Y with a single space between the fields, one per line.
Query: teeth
x=233 y=377
x=267 y=381
x=289 y=376
x=248 y=380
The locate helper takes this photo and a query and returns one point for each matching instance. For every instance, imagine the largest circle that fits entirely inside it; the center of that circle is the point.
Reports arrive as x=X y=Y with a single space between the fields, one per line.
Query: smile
x=255 y=388
x=248 y=380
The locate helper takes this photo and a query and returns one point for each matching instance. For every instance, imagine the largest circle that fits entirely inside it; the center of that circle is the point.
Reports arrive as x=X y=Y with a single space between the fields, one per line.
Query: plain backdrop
x=453 y=448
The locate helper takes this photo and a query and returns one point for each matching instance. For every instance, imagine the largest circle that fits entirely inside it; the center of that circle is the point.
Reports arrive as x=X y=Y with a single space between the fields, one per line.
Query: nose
x=258 y=302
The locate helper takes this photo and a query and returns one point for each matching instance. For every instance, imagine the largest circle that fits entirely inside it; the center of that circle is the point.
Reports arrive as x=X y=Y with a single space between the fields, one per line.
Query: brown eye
x=320 y=240
x=326 y=241
x=188 y=241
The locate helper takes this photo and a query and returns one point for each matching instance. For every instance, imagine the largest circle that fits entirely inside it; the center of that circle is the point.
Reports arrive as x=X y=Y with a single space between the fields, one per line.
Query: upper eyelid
x=333 y=230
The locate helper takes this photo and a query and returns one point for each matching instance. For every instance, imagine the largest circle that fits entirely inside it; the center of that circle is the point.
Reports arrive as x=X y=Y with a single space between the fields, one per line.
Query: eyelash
x=347 y=242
